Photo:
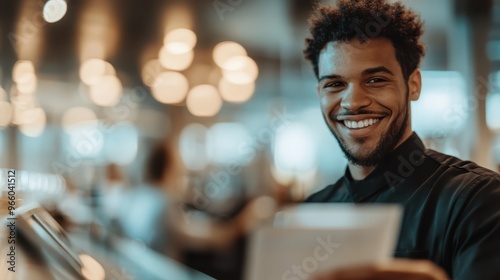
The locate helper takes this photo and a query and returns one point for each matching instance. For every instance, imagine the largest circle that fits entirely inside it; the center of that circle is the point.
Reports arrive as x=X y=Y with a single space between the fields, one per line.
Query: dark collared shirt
x=451 y=207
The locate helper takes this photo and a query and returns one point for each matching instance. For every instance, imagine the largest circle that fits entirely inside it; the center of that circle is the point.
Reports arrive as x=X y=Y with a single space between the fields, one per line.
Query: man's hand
x=396 y=269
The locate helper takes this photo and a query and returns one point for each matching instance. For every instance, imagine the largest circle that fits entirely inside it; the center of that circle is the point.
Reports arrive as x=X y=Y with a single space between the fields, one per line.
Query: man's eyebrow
x=370 y=71
x=329 y=77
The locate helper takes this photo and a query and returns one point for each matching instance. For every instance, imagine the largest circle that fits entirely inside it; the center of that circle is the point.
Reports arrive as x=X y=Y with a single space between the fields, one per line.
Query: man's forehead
x=355 y=54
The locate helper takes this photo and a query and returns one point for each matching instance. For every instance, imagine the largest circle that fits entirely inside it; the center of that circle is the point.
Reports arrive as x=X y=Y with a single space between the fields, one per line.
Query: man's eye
x=334 y=85
x=376 y=80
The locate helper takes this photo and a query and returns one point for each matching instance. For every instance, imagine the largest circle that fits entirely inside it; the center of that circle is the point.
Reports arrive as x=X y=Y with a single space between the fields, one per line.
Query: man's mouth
x=361 y=123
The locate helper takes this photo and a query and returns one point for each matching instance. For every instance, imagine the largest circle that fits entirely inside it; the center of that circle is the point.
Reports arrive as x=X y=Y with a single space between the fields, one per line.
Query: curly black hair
x=365 y=19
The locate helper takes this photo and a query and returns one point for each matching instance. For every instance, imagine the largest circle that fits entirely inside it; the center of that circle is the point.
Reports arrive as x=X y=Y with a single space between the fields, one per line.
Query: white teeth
x=360 y=124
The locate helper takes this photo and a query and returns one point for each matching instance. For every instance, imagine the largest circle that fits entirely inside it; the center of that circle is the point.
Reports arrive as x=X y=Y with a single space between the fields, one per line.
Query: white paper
x=312 y=238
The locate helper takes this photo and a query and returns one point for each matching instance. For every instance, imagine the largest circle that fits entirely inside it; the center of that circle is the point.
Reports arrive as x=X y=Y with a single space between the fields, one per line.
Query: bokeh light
x=106 y=92
x=296 y=138
x=179 y=41
x=236 y=93
x=54 y=10
x=33 y=122
x=28 y=85
x=170 y=87
x=227 y=50
x=23 y=71
x=92 y=70
x=204 y=101
x=175 y=61
x=240 y=70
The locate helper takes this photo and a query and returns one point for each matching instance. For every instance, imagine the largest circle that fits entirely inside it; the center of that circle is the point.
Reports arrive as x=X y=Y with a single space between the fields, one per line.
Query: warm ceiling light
x=23 y=71
x=54 y=10
x=170 y=87
x=106 y=92
x=240 y=70
x=226 y=50
x=180 y=41
x=174 y=61
x=92 y=70
x=150 y=70
x=236 y=93
x=78 y=115
x=28 y=86
x=33 y=122
x=5 y=113
x=204 y=101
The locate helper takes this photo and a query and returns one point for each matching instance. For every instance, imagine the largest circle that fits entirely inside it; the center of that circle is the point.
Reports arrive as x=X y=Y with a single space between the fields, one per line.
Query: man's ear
x=415 y=84
x=317 y=90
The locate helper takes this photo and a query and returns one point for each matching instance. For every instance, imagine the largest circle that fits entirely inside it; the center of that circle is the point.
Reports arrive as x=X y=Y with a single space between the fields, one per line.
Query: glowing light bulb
x=92 y=70
x=236 y=93
x=23 y=71
x=54 y=10
x=106 y=92
x=175 y=61
x=170 y=87
x=204 y=101
x=180 y=41
x=240 y=70
x=226 y=50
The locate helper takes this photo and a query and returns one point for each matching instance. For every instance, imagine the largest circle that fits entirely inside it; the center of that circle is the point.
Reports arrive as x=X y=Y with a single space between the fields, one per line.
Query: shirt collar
x=397 y=165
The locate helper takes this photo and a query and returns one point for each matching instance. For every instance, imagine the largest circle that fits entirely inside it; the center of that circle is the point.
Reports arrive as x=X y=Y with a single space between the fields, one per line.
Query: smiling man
x=366 y=55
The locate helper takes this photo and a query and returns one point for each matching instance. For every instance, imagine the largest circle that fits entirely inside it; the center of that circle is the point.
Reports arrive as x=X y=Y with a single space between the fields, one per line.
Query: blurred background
x=209 y=106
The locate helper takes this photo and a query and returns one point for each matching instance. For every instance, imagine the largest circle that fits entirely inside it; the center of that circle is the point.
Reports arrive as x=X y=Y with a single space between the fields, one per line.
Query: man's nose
x=354 y=98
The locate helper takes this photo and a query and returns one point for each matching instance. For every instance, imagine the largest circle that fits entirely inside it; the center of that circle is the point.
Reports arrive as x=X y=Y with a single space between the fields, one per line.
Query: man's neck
x=361 y=172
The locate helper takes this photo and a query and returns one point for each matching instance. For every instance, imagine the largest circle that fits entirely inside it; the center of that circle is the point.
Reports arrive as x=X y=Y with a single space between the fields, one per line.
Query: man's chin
x=362 y=159
x=363 y=155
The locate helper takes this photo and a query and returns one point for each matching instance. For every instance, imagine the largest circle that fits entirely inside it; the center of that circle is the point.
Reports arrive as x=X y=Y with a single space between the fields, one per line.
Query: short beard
x=385 y=145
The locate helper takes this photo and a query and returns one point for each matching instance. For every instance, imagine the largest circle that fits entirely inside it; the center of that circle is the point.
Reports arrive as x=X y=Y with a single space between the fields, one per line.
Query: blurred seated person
x=210 y=230
x=144 y=208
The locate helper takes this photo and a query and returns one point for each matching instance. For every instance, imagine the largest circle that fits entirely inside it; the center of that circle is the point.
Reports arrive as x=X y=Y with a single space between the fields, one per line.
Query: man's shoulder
x=459 y=166
x=464 y=166
x=464 y=174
